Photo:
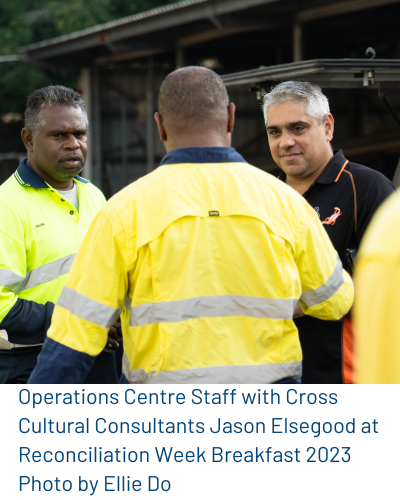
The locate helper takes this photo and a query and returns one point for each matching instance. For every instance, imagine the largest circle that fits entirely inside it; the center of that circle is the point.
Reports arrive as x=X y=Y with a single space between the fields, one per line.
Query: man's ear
x=160 y=126
x=231 y=117
x=27 y=139
x=329 y=125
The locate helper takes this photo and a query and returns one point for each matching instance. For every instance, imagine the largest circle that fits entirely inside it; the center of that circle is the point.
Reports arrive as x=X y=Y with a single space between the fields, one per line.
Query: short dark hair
x=52 y=95
x=193 y=95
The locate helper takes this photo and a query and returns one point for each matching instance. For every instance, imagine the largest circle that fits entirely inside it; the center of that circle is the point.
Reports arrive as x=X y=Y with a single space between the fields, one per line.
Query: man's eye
x=272 y=132
x=299 y=129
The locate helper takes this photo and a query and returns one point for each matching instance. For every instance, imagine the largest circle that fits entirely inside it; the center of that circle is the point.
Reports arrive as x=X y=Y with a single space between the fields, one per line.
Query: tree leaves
x=23 y=22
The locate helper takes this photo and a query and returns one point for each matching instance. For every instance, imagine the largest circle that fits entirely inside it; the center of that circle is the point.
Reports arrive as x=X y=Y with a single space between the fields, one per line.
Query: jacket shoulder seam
x=6 y=233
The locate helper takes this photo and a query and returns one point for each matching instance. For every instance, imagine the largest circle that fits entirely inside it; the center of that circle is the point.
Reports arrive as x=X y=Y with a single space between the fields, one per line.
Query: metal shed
x=381 y=76
x=123 y=63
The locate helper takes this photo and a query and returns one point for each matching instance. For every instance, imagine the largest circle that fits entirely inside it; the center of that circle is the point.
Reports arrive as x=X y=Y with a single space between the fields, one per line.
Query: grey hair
x=52 y=95
x=315 y=102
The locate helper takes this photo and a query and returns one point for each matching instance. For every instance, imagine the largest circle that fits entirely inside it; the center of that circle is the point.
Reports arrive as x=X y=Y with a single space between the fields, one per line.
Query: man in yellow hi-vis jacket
x=376 y=307
x=204 y=258
x=46 y=209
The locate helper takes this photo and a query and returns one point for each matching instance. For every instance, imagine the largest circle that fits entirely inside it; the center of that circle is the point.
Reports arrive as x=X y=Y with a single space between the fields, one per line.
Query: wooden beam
x=336 y=9
x=133 y=54
x=213 y=34
x=186 y=41
x=381 y=147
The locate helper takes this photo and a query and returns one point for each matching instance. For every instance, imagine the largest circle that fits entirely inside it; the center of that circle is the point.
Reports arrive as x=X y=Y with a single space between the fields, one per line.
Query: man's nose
x=287 y=140
x=72 y=143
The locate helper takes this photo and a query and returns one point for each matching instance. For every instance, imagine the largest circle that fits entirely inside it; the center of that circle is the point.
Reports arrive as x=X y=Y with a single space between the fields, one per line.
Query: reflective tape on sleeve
x=230 y=374
x=88 y=309
x=211 y=307
x=48 y=272
x=324 y=292
x=11 y=280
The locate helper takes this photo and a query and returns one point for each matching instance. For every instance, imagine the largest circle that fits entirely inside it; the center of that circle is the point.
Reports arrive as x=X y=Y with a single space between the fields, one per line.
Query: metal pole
x=179 y=57
x=97 y=142
x=396 y=177
x=297 y=42
x=150 y=117
x=124 y=139
x=390 y=108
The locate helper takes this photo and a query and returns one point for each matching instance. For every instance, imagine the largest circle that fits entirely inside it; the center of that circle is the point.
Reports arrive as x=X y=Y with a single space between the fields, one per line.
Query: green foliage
x=23 y=22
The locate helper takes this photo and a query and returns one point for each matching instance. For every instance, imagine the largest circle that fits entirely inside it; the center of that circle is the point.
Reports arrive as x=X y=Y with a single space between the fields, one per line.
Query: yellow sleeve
x=327 y=289
x=378 y=322
x=376 y=308
x=12 y=271
x=94 y=293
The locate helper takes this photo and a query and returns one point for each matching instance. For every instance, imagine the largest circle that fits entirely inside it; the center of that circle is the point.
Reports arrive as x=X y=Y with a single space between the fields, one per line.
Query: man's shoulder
x=94 y=191
x=368 y=178
x=187 y=185
x=178 y=174
x=380 y=239
x=12 y=192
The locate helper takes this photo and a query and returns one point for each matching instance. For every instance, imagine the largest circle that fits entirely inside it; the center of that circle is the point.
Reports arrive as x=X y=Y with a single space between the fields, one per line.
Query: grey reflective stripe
x=211 y=306
x=87 y=309
x=324 y=292
x=231 y=374
x=11 y=280
x=48 y=272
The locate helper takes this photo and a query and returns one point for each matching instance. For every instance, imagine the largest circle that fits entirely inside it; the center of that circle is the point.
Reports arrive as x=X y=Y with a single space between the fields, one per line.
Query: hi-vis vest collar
x=28 y=178
x=202 y=155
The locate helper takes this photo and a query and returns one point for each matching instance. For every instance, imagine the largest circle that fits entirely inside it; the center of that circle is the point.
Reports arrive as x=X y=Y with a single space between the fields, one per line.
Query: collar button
x=72 y=212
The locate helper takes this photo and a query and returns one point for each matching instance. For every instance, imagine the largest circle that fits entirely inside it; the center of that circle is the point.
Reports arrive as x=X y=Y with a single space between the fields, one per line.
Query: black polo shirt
x=345 y=197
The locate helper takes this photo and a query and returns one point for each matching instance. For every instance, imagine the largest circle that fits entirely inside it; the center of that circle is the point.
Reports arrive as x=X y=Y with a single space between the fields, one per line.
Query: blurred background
x=117 y=52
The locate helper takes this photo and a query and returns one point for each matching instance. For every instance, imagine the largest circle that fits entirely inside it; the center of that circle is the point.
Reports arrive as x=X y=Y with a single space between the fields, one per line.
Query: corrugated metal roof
x=112 y=24
x=340 y=73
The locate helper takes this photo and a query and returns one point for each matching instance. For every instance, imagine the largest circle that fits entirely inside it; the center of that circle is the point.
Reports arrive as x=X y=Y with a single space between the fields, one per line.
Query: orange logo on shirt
x=332 y=218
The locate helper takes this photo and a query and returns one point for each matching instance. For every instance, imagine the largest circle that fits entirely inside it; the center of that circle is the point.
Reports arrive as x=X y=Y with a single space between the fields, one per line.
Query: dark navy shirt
x=345 y=197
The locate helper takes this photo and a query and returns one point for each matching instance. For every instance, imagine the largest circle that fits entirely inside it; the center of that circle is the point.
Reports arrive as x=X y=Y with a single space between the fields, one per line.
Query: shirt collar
x=27 y=177
x=202 y=155
x=330 y=173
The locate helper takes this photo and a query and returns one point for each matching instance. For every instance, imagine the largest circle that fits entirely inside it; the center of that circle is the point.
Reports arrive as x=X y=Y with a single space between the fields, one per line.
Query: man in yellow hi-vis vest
x=204 y=258
x=46 y=209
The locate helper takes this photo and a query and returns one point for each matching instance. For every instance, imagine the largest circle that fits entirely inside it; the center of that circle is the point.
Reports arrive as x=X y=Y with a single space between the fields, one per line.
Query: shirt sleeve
x=25 y=321
x=327 y=289
x=91 y=301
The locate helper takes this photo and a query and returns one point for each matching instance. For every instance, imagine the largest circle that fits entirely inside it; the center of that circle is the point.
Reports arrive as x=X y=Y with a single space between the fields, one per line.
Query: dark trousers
x=104 y=370
x=16 y=366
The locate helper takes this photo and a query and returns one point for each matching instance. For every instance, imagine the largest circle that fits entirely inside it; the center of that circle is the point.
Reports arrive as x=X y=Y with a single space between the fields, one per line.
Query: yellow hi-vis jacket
x=206 y=257
x=376 y=307
x=40 y=233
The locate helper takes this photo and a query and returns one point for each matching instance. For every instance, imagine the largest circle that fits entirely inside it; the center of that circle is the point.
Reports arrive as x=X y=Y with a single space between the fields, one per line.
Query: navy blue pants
x=16 y=366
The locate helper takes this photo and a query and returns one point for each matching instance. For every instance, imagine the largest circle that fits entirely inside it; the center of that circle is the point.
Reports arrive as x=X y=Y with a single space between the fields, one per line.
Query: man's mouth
x=72 y=161
x=290 y=156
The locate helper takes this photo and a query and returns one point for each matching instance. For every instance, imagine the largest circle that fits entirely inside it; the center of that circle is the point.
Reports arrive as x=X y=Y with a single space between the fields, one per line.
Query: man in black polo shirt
x=345 y=195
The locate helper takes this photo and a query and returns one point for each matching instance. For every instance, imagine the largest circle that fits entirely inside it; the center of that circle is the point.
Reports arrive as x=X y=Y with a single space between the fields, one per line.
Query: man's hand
x=114 y=335
x=298 y=311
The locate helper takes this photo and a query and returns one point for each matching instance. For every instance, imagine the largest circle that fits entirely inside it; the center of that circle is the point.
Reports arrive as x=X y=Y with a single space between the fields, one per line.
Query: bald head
x=193 y=97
